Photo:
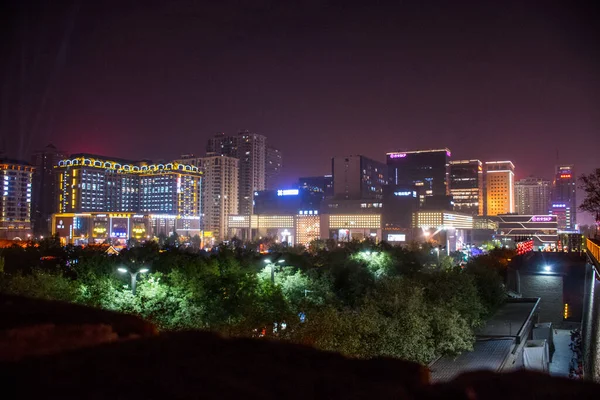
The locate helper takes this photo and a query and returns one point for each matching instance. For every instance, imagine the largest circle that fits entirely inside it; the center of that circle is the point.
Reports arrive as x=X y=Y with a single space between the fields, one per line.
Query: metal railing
x=593 y=248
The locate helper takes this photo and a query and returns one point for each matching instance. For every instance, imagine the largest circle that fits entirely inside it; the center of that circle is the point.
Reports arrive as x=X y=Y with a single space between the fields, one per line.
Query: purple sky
x=491 y=80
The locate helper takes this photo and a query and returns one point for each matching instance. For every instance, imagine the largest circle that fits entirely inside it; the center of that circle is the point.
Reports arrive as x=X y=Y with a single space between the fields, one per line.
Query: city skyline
x=320 y=79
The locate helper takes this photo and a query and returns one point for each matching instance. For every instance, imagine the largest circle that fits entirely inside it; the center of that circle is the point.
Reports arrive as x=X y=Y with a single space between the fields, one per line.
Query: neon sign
x=541 y=218
x=288 y=192
x=397 y=155
x=565 y=175
x=406 y=193
x=559 y=205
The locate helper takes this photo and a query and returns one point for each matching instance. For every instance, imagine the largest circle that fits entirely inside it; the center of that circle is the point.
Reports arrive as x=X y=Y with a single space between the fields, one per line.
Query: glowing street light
x=272 y=265
x=133 y=275
x=547 y=268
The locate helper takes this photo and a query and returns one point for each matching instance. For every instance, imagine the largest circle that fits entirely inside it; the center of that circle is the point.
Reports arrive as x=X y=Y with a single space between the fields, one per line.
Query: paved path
x=562 y=353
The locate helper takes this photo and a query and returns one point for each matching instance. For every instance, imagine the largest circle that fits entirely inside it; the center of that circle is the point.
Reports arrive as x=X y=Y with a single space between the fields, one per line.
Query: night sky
x=155 y=79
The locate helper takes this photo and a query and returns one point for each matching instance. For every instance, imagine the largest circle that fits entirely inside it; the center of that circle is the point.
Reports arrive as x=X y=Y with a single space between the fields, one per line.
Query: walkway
x=562 y=353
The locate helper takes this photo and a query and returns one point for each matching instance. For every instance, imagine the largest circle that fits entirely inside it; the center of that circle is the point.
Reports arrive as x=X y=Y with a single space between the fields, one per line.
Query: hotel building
x=466 y=186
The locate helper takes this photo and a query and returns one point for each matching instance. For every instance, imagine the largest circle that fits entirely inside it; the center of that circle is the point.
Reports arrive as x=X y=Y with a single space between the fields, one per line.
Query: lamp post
x=272 y=265
x=133 y=275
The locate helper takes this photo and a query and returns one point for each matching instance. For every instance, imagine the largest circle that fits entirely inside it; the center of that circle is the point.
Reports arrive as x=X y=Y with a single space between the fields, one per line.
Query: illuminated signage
x=406 y=193
x=559 y=206
x=396 y=237
x=566 y=176
x=539 y=218
x=60 y=224
x=288 y=192
x=308 y=212
x=101 y=215
x=238 y=218
x=397 y=155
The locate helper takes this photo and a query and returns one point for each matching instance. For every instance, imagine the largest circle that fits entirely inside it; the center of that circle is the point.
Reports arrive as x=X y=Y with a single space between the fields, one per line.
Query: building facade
x=273 y=166
x=532 y=196
x=466 y=186
x=251 y=150
x=44 y=188
x=499 y=187
x=358 y=177
x=427 y=170
x=564 y=201
x=15 y=203
x=89 y=183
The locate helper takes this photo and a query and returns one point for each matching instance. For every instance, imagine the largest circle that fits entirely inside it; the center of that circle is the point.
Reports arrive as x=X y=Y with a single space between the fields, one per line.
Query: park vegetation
x=361 y=299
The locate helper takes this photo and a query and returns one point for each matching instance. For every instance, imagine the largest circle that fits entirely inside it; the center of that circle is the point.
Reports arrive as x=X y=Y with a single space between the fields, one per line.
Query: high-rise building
x=358 y=177
x=250 y=149
x=427 y=170
x=90 y=183
x=466 y=186
x=499 y=187
x=273 y=165
x=564 y=203
x=43 y=202
x=15 y=203
x=532 y=196
x=219 y=193
x=322 y=184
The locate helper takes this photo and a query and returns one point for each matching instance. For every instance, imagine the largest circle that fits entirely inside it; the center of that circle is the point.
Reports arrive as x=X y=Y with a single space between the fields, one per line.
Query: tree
x=590 y=184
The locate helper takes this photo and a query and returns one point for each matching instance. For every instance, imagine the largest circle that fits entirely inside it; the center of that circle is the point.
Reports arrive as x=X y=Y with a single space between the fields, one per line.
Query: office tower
x=532 y=196
x=44 y=185
x=499 y=187
x=358 y=177
x=219 y=193
x=90 y=183
x=322 y=184
x=466 y=186
x=427 y=170
x=250 y=149
x=15 y=203
x=273 y=165
x=564 y=203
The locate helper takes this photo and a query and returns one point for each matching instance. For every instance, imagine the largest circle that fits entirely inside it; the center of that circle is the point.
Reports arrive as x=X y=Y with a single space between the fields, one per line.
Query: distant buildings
x=543 y=229
x=532 y=196
x=466 y=186
x=427 y=170
x=564 y=203
x=358 y=177
x=15 y=203
x=44 y=188
x=499 y=187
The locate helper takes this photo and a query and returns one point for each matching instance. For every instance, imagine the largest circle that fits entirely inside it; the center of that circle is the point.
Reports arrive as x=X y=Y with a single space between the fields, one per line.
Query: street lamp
x=272 y=265
x=133 y=276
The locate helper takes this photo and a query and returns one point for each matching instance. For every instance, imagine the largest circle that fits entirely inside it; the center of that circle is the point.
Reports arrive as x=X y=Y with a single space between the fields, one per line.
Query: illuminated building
x=96 y=227
x=15 y=203
x=357 y=226
x=89 y=183
x=44 y=188
x=322 y=184
x=442 y=219
x=542 y=229
x=273 y=165
x=427 y=170
x=251 y=150
x=466 y=186
x=94 y=184
x=564 y=203
x=358 y=177
x=499 y=188
x=532 y=196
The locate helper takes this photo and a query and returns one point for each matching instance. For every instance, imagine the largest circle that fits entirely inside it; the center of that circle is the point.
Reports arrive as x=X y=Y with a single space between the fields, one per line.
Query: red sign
x=524 y=247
